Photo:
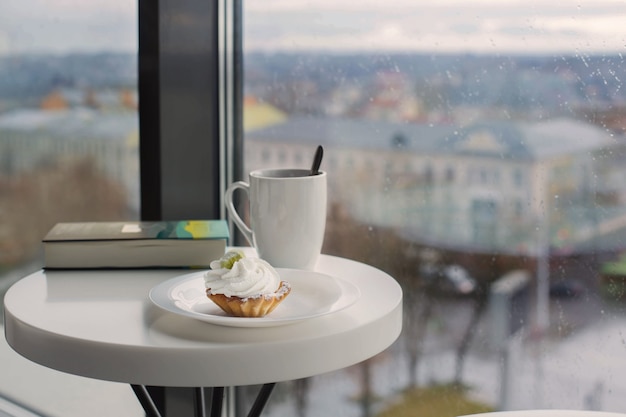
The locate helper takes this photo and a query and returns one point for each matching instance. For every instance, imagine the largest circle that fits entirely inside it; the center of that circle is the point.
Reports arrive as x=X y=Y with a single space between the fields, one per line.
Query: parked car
x=566 y=288
x=449 y=279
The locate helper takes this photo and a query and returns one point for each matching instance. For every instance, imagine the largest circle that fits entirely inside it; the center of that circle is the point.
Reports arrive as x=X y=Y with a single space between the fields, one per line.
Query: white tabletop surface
x=101 y=324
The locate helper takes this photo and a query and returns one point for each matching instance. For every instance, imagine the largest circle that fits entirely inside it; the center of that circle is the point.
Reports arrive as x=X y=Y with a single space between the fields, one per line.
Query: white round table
x=101 y=324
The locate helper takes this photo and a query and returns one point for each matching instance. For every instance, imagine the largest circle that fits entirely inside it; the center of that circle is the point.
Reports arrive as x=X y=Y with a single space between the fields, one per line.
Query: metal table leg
x=199 y=403
x=146 y=401
x=198 y=395
x=261 y=400
x=217 y=400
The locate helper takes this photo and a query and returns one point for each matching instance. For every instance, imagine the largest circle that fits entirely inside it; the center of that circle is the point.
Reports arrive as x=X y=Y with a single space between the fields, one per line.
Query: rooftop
x=78 y=122
x=514 y=140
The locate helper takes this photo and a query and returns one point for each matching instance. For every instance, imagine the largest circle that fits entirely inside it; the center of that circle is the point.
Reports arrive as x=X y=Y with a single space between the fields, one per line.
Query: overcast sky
x=584 y=26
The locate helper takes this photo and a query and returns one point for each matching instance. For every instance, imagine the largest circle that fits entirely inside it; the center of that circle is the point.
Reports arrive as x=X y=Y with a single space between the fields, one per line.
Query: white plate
x=312 y=295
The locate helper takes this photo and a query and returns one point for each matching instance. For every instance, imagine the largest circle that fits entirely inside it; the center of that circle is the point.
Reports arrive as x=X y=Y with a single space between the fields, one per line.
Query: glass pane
x=475 y=153
x=68 y=152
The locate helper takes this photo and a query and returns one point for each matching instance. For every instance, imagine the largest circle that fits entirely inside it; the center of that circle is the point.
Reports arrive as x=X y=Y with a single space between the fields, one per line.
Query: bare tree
x=70 y=191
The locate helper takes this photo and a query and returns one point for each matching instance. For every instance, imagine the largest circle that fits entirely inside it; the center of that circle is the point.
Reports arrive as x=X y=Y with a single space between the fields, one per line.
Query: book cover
x=184 y=229
x=135 y=244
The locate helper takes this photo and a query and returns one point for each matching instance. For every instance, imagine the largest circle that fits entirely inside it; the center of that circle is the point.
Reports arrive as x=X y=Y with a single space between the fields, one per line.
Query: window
x=512 y=115
x=69 y=146
x=518 y=177
x=450 y=171
x=538 y=89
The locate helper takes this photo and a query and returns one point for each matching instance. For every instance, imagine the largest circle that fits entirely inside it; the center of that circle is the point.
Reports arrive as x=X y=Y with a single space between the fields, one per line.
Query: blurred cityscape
x=458 y=151
x=68 y=145
x=480 y=153
x=495 y=162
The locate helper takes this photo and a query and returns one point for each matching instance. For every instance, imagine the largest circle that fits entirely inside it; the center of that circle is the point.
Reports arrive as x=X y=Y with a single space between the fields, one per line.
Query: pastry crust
x=255 y=306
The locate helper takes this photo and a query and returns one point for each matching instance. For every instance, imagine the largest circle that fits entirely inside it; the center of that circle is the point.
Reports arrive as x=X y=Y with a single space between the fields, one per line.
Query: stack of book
x=158 y=244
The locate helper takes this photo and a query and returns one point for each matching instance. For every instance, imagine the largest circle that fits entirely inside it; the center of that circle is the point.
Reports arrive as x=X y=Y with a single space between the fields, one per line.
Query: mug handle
x=232 y=211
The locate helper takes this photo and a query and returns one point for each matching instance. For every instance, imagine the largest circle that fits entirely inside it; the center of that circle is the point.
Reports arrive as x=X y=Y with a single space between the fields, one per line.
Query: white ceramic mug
x=287 y=215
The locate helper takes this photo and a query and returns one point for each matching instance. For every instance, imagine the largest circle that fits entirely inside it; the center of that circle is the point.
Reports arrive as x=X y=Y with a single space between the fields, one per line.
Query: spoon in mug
x=317 y=160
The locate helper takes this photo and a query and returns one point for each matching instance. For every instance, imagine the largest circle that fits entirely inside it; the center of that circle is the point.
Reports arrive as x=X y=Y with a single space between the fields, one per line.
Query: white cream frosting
x=248 y=277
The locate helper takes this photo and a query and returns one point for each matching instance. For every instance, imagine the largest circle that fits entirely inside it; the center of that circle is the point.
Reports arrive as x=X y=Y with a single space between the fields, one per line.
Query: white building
x=33 y=138
x=490 y=186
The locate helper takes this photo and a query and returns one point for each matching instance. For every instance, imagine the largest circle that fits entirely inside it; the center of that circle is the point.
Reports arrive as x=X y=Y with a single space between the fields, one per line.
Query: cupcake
x=244 y=287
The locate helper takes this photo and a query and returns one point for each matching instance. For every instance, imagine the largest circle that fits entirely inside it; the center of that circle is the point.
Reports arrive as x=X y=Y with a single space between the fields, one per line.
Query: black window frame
x=190 y=87
x=190 y=106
